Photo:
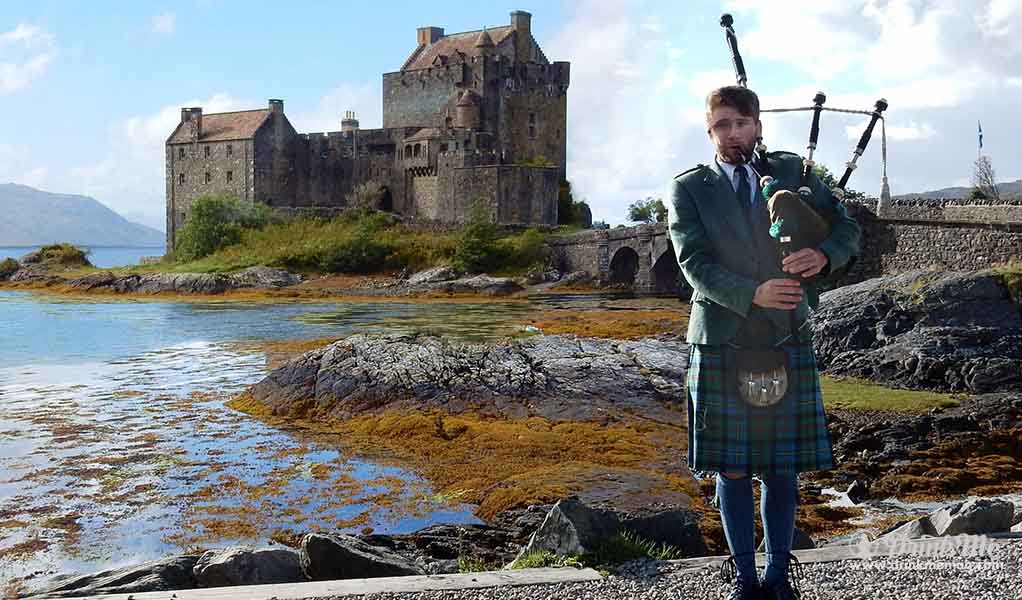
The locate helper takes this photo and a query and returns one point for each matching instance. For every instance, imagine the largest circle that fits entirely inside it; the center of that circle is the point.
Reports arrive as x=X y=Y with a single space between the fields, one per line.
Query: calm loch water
x=116 y=446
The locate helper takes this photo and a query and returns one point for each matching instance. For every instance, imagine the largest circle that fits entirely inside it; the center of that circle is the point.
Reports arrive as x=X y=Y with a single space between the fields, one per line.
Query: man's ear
x=759 y=128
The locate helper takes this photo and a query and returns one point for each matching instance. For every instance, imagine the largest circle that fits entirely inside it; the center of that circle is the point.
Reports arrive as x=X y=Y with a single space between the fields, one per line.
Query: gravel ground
x=975 y=578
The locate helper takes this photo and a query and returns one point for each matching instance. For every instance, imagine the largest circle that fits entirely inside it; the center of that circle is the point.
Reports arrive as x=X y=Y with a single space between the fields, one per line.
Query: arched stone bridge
x=641 y=256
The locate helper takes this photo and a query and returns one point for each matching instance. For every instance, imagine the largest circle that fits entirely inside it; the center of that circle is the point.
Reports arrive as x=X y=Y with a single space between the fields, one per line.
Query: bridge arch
x=624 y=266
x=665 y=276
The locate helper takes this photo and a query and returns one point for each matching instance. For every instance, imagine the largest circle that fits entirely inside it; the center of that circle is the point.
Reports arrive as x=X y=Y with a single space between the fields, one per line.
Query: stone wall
x=510 y=194
x=426 y=196
x=1005 y=213
x=892 y=246
x=202 y=169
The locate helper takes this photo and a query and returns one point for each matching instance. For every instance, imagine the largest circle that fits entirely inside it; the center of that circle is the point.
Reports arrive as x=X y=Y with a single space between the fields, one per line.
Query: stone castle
x=471 y=117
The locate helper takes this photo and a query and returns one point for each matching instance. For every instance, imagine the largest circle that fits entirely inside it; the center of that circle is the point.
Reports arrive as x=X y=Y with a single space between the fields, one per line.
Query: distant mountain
x=1008 y=189
x=30 y=217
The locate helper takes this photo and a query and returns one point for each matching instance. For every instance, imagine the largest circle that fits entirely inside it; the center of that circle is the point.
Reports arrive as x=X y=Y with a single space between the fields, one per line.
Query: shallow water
x=116 y=446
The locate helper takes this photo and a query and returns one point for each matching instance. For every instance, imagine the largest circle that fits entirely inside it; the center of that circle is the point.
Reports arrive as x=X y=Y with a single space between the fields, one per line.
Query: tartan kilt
x=727 y=435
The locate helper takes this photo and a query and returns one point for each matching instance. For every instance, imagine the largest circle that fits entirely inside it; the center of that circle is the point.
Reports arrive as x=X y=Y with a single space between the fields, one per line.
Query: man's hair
x=744 y=100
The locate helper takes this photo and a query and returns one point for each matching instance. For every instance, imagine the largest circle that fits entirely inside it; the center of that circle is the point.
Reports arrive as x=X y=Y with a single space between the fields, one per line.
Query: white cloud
x=626 y=130
x=364 y=99
x=130 y=177
x=163 y=23
x=25 y=54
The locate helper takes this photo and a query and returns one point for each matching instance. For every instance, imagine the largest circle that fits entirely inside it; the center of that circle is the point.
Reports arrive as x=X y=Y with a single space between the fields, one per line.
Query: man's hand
x=784 y=294
x=806 y=262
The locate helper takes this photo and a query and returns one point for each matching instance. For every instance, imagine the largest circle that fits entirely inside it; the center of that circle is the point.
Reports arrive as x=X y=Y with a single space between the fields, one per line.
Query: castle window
x=207 y=152
x=408 y=150
x=181 y=152
x=415 y=150
x=230 y=149
x=532 y=131
x=443 y=147
x=181 y=179
x=230 y=176
x=209 y=177
x=291 y=165
x=532 y=118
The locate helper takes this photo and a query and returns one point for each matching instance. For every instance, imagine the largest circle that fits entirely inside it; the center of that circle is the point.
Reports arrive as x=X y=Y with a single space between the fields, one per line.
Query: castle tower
x=466 y=111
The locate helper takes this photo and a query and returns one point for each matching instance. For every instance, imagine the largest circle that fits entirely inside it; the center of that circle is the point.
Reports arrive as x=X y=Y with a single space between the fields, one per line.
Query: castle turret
x=466 y=111
x=521 y=22
x=349 y=123
x=484 y=43
x=191 y=118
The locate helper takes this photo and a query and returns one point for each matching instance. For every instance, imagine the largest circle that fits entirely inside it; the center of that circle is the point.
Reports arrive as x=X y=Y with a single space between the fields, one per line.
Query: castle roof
x=239 y=125
x=426 y=133
x=464 y=42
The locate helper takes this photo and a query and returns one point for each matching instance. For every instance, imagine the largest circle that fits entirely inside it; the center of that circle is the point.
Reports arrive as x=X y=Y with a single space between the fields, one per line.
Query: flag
x=980 y=126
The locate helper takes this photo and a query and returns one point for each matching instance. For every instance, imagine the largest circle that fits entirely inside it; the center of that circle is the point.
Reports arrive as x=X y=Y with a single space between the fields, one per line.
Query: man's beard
x=739 y=156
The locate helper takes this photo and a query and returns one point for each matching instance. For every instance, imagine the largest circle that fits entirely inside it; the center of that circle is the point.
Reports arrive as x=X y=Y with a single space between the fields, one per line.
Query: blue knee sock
x=777 y=507
x=736 y=513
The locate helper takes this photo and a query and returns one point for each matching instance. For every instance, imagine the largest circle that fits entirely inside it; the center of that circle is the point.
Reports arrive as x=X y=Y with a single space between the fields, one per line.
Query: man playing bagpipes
x=753 y=393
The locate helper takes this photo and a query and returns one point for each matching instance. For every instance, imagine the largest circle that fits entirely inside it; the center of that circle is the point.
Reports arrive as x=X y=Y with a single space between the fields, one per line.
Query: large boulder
x=327 y=557
x=174 y=573
x=573 y=528
x=246 y=566
x=975 y=516
x=433 y=275
x=923 y=329
x=913 y=530
x=557 y=377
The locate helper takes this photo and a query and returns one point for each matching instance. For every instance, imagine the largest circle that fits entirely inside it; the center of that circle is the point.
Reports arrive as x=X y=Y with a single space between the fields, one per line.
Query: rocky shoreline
x=437 y=281
x=915 y=319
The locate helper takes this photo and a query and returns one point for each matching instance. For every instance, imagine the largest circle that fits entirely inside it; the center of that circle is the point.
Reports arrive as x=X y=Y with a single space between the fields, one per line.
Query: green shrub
x=358 y=254
x=477 y=249
x=216 y=222
x=58 y=255
x=7 y=267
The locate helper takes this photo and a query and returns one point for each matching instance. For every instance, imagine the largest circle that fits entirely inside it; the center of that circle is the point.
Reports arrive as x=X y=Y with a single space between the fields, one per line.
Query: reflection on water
x=115 y=445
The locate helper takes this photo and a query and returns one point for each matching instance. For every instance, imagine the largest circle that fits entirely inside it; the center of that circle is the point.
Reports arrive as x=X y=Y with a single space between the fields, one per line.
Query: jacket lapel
x=723 y=202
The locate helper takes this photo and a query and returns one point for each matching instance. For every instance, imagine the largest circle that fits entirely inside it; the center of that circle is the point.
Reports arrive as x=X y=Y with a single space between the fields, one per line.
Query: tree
x=830 y=181
x=569 y=210
x=647 y=211
x=984 y=179
x=215 y=222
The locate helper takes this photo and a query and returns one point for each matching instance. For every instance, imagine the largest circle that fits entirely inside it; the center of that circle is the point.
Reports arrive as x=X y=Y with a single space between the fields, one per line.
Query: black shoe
x=787 y=589
x=741 y=589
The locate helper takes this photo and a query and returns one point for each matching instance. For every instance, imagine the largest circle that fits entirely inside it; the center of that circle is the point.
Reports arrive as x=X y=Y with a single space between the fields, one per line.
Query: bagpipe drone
x=795 y=222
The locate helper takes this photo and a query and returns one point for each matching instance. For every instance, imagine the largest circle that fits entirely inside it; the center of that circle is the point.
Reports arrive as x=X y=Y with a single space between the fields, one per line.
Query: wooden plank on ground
x=353 y=587
x=875 y=549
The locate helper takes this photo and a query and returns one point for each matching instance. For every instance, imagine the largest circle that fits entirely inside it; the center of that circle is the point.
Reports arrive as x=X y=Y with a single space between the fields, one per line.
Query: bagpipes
x=794 y=222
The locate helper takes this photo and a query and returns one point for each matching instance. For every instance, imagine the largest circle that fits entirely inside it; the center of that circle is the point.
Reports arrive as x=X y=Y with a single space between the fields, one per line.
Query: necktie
x=742 y=187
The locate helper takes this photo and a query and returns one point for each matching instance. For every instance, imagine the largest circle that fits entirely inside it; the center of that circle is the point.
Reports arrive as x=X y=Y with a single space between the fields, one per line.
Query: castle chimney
x=193 y=118
x=276 y=106
x=349 y=123
x=521 y=22
x=428 y=35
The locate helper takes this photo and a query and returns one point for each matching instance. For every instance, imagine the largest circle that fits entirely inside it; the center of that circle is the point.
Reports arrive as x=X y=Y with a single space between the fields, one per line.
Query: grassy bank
x=368 y=242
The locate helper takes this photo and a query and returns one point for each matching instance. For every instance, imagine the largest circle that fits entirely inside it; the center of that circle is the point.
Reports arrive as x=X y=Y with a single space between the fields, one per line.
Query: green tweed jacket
x=713 y=243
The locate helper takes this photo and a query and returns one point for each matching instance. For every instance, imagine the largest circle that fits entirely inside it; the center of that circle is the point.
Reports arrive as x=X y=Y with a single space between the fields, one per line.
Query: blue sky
x=91 y=90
